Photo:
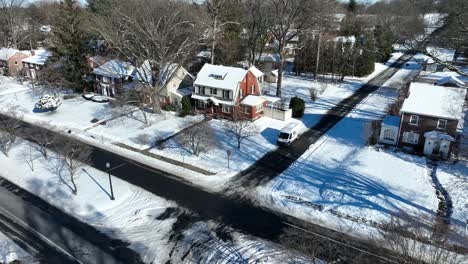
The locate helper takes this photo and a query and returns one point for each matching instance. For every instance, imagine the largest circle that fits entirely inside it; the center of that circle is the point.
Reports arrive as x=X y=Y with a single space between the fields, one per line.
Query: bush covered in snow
x=48 y=102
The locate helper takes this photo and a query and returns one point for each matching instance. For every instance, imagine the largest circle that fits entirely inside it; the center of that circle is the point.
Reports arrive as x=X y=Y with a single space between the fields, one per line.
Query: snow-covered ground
x=328 y=95
x=454 y=178
x=137 y=216
x=344 y=184
x=10 y=251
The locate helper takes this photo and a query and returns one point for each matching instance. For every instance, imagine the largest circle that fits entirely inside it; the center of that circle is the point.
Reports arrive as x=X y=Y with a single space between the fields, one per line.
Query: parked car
x=291 y=132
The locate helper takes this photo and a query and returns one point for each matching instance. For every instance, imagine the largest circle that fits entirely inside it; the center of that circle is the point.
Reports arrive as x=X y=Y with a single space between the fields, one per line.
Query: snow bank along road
x=275 y=162
x=53 y=236
x=239 y=213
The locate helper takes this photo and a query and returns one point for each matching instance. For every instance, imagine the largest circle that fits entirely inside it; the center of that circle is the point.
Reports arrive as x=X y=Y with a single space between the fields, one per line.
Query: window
x=226 y=108
x=202 y=89
x=201 y=104
x=246 y=109
x=410 y=137
x=414 y=120
x=226 y=94
x=389 y=134
x=442 y=124
x=259 y=108
x=106 y=79
x=252 y=89
x=213 y=91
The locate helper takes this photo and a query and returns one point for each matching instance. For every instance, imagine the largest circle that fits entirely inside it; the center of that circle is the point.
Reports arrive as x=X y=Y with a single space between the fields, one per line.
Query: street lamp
x=110 y=180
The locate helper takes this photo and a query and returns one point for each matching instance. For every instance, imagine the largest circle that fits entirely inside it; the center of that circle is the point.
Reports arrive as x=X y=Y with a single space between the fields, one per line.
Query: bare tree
x=9 y=127
x=125 y=99
x=30 y=155
x=74 y=156
x=42 y=137
x=256 y=25
x=198 y=138
x=151 y=34
x=414 y=241
x=10 y=11
x=241 y=128
x=289 y=19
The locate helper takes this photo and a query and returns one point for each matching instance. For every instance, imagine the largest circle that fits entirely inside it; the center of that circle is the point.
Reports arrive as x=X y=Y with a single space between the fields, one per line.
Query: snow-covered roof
x=167 y=72
x=98 y=59
x=436 y=101
x=451 y=79
x=275 y=73
x=438 y=135
x=204 y=54
x=39 y=59
x=445 y=55
x=187 y=91
x=253 y=100
x=271 y=99
x=345 y=39
x=217 y=76
x=256 y=72
x=7 y=53
x=393 y=121
x=434 y=20
x=269 y=57
x=115 y=69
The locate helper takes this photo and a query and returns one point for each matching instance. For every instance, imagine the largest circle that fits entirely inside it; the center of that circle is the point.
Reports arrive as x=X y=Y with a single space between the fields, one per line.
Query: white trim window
x=389 y=134
x=259 y=108
x=410 y=137
x=245 y=109
x=226 y=108
x=226 y=94
x=442 y=124
x=202 y=104
x=252 y=89
x=414 y=120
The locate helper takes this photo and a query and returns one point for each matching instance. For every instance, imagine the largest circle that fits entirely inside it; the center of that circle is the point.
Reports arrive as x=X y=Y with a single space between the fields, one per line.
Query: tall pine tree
x=70 y=46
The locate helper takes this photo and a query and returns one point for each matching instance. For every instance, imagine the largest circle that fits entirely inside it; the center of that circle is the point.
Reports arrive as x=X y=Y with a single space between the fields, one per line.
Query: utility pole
x=110 y=181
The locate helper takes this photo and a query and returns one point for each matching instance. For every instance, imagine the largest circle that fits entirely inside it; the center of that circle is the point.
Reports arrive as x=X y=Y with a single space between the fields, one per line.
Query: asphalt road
x=236 y=213
x=52 y=236
x=275 y=162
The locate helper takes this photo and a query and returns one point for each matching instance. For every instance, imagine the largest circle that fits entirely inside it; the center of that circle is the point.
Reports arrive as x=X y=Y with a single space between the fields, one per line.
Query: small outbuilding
x=389 y=130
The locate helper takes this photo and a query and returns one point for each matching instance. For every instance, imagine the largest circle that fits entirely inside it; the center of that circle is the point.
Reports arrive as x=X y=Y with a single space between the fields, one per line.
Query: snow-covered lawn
x=136 y=216
x=344 y=184
x=215 y=160
x=10 y=251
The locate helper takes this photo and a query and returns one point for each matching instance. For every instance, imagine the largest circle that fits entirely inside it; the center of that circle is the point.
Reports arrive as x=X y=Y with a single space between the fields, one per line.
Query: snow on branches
x=48 y=102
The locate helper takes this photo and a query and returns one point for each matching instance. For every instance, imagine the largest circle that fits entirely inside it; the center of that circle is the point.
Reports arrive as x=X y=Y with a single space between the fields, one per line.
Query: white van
x=291 y=132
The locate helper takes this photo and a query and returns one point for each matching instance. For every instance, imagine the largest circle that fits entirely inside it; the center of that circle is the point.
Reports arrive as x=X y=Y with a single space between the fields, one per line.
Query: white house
x=389 y=130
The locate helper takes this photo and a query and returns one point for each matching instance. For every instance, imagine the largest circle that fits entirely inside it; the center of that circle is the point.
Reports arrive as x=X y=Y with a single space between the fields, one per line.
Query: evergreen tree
x=384 y=42
x=70 y=46
x=298 y=106
x=365 y=63
x=186 y=106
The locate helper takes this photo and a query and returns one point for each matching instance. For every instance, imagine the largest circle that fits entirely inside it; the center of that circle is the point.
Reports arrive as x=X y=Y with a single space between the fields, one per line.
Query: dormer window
x=218 y=76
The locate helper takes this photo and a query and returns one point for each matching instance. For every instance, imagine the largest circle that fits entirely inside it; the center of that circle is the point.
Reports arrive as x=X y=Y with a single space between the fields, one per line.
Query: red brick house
x=430 y=118
x=10 y=61
x=222 y=91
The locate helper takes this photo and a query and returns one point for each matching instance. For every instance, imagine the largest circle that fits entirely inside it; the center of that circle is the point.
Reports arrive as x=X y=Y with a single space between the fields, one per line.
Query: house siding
x=425 y=124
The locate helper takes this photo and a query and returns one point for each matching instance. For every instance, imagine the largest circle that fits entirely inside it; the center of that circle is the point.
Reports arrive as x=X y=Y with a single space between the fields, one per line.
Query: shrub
x=186 y=106
x=298 y=106
x=168 y=107
x=69 y=96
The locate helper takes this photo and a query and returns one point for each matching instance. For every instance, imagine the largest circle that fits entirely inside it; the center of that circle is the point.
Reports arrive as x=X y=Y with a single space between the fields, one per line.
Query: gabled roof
x=115 y=69
x=40 y=58
x=435 y=101
x=256 y=72
x=217 y=76
x=7 y=53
